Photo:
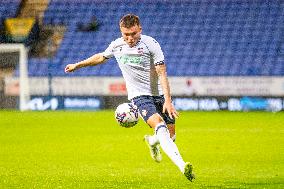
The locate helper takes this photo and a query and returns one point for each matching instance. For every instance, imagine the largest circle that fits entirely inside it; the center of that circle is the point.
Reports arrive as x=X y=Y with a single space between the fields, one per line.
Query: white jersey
x=138 y=65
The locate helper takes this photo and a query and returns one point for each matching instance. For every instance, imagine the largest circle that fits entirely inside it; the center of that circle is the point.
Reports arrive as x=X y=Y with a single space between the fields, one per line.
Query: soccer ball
x=126 y=115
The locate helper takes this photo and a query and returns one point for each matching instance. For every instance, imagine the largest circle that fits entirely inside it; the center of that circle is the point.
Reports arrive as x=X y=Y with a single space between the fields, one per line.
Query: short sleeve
x=108 y=53
x=157 y=53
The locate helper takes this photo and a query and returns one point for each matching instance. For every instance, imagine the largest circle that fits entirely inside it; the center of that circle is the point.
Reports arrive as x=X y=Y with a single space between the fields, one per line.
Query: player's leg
x=159 y=102
x=163 y=135
x=153 y=145
x=186 y=168
x=172 y=130
x=146 y=108
x=153 y=140
x=169 y=147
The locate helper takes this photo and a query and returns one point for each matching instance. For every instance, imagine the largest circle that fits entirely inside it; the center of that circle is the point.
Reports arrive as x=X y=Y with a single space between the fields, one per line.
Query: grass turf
x=89 y=150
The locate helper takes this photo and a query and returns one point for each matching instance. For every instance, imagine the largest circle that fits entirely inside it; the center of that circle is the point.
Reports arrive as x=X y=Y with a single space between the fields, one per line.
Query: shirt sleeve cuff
x=159 y=63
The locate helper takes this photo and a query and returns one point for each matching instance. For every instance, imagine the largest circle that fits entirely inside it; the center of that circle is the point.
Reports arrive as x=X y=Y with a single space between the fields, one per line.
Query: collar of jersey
x=136 y=43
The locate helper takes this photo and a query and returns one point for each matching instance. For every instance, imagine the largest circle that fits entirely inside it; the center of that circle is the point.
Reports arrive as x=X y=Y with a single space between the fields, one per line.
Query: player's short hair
x=129 y=20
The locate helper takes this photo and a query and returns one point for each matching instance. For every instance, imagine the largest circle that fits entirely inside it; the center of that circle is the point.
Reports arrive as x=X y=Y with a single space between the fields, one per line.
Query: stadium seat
x=199 y=38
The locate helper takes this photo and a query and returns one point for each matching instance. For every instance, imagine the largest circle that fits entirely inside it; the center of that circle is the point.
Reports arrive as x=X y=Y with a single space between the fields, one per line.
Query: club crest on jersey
x=140 y=50
x=144 y=113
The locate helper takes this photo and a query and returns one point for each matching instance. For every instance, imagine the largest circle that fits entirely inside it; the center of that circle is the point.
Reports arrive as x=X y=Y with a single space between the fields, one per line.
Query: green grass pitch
x=89 y=150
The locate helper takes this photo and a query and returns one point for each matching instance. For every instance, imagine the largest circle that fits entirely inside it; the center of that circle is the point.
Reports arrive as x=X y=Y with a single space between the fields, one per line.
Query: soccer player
x=141 y=61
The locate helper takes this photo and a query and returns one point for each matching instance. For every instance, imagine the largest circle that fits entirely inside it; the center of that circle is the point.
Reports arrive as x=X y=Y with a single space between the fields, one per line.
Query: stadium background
x=221 y=55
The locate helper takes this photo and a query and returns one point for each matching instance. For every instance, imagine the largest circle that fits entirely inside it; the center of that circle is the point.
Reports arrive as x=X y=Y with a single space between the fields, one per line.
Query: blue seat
x=198 y=38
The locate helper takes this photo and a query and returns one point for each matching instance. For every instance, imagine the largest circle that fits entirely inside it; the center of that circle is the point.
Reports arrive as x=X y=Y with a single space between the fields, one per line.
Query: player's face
x=131 y=35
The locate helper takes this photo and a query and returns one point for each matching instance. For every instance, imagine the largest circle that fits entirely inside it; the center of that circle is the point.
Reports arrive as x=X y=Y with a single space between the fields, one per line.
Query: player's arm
x=168 y=106
x=92 y=61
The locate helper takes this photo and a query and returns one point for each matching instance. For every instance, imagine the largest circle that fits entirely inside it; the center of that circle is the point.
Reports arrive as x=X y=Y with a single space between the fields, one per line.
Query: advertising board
x=65 y=103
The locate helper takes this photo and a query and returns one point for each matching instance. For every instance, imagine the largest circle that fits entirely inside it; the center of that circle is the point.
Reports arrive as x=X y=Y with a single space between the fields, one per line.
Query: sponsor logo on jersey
x=125 y=59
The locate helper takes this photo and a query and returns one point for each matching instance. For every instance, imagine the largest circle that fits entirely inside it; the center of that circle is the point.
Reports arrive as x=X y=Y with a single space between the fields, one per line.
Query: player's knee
x=154 y=120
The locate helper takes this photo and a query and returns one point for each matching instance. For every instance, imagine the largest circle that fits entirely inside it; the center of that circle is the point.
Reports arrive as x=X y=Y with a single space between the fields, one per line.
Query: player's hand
x=70 y=68
x=170 y=109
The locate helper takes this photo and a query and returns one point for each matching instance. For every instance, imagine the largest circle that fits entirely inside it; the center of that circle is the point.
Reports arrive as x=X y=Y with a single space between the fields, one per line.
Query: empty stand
x=8 y=9
x=199 y=38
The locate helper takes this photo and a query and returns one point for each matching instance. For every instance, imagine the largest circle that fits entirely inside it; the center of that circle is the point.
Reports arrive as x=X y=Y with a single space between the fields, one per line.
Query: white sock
x=168 y=146
x=153 y=140
x=174 y=137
